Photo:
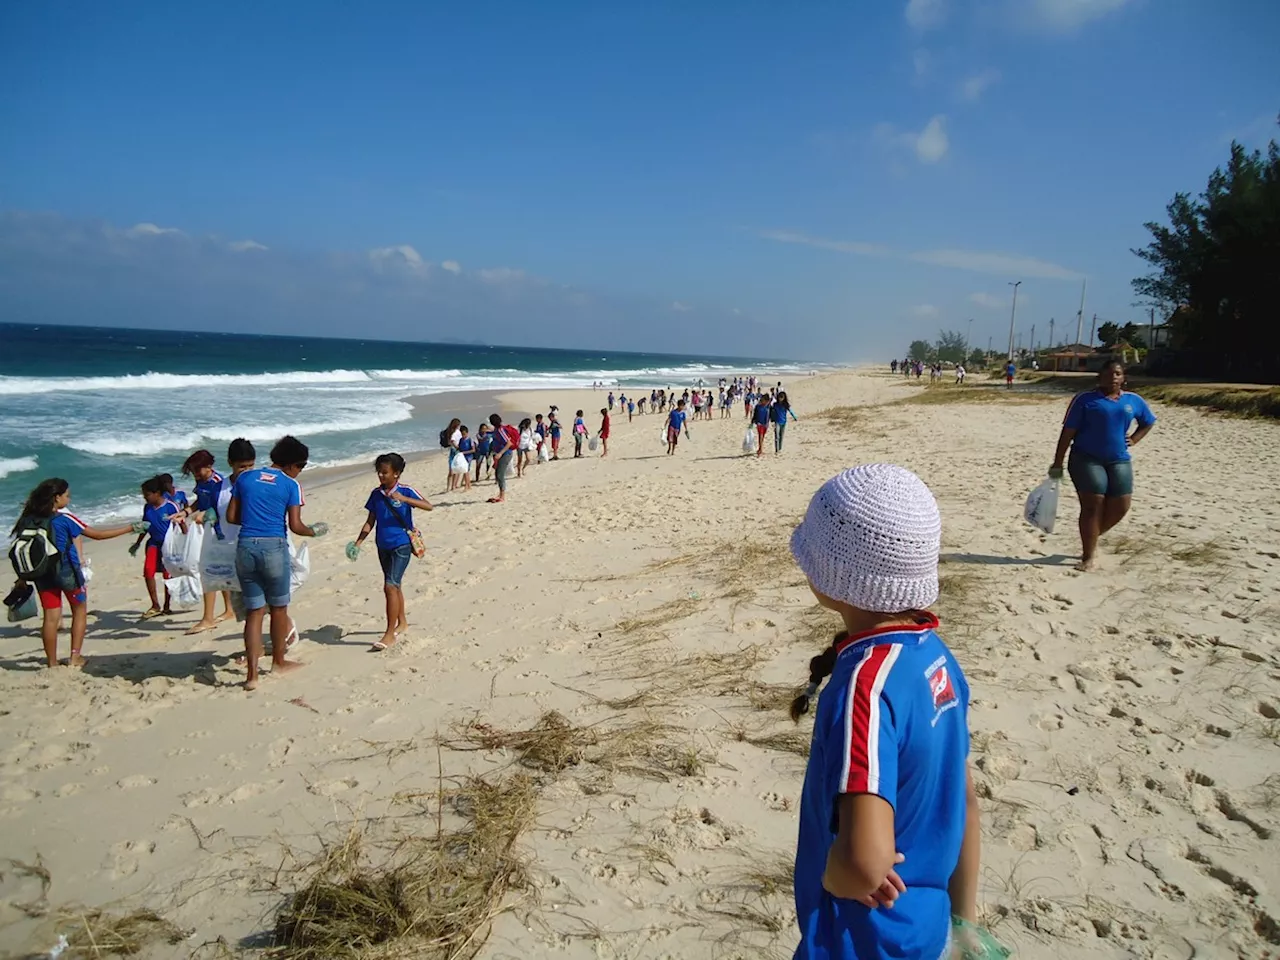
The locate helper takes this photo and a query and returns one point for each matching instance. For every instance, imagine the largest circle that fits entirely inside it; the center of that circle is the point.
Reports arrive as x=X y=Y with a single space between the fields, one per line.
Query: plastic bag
x=458 y=464
x=173 y=552
x=972 y=942
x=543 y=453
x=193 y=547
x=24 y=609
x=1041 y=510
x=299 y=565
x=593 y=444
x=184 y=591
x=218 y=562
x=749 y=442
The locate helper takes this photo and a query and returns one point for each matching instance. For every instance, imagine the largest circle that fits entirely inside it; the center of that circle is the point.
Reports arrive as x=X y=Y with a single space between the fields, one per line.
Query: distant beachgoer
x=604 y=432
x=579 y=433
x=610 y=399
x=267 y=504
x=466 y=447
x=888 y=814
x=47 y=509
x=960 y=373
x=778 y=413
x=631 y=409
x=448 y=437
x=1096 y=429
x=484 y=443
x=1010 y=371
x=675 y=424
x=390 y=511
x=505 y=441
x=525 y=447
x=761 y=420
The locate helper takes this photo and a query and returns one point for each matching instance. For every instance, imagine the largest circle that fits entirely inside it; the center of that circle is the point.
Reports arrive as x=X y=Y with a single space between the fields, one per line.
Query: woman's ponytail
x=820 y=668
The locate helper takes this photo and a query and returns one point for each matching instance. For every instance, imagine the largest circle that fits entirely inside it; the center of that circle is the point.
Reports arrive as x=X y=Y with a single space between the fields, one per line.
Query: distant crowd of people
x=252 y=513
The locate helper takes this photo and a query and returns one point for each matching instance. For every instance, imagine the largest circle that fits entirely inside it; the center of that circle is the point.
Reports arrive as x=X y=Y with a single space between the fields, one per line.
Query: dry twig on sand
x=97 y=933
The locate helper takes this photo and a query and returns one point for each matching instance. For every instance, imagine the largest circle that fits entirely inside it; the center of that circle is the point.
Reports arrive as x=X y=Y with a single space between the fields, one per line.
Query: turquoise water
x=106 y=408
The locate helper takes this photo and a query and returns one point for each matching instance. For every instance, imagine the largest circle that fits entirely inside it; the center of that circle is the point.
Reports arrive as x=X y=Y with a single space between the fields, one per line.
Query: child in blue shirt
x=888 y=814
x=675 y=424
x=159 y=511
x=390 y=506
x=467 y=447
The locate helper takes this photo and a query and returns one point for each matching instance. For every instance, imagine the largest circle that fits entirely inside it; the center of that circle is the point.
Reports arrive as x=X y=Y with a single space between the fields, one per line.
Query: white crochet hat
x=870 y=539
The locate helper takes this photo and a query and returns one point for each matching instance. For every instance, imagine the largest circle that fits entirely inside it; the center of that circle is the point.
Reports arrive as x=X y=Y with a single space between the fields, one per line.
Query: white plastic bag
x=218 y=562
x=593 y=444
x=173 y=552
x=543 y=453
x=1041 y=510
x=458 y=464
x=193 y=547
x=184 y=591
x=299 y=565
x=749 y=441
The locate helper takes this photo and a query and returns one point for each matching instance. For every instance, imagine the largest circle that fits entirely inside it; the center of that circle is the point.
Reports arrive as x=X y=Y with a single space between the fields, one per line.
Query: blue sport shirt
x=265 y=496
x=65 y=527
x=158 y=518
x=1102 y=424
x=391 y=533
x=675 y=419
x=892 y=721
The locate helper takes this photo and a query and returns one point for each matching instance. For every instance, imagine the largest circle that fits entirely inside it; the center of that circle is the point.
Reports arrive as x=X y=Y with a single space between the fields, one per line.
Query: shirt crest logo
x=941 y=688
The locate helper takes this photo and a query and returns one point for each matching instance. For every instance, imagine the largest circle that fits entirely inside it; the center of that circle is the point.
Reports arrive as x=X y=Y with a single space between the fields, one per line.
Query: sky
x=821 y=180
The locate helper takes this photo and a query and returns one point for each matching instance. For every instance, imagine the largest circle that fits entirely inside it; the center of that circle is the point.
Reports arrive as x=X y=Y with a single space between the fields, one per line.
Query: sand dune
x=1126 y=723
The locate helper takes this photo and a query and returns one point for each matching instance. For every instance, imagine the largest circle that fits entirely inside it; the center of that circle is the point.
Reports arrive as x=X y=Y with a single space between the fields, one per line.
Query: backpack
x=444 y=438
x=513 y=436
x=33 y=553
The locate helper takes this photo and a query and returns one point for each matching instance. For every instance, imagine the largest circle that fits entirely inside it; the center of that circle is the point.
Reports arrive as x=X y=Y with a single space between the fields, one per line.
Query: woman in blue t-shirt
x=1096 y=429
x=46 y=506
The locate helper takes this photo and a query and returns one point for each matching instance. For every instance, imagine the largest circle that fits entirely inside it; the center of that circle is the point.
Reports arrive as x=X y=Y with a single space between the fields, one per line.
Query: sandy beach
x=1126 y=723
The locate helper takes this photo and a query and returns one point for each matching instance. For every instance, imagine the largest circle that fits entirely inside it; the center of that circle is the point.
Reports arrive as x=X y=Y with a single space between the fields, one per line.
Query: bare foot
x=1087 y=566
x=250 y=685
x=203 y=626
x=229 y=615
x=286 y=666
x=75 y=661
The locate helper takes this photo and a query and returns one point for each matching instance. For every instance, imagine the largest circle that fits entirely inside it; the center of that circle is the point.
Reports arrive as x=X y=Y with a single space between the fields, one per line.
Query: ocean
x=106 y=408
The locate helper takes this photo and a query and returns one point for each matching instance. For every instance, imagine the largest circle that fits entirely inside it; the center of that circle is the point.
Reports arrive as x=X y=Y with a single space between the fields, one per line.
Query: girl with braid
x=888 y=814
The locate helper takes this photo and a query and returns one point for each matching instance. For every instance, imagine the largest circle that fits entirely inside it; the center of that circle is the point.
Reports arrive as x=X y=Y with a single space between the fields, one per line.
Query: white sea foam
x=151 y=444
x=17 y=465
x=183 y=381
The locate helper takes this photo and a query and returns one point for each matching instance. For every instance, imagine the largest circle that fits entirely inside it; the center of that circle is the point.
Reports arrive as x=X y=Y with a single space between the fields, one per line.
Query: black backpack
x=33 y=553
x=444 y=438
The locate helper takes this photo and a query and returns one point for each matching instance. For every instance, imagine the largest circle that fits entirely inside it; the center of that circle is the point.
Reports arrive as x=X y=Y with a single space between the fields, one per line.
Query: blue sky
x=819 y=180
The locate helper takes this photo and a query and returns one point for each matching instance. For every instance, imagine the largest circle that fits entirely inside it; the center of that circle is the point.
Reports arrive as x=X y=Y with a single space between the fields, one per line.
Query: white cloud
x=499 y=274
x=976 y=261
x=931 y=144
x=986 y=300
x=150 y=230
x=921 y=61
x=402 y=257
x=924 y=310
x=841 y=246
x=923 y=14
x=453 y=266
x=972 y=89
x=1064 y=16
x=242 y=246
x=679 y=307
x=998 y=263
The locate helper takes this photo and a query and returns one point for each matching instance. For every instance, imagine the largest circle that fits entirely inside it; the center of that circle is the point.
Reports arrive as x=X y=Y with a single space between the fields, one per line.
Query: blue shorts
x=394 y=563
x=1099 y=477
x=263 y=568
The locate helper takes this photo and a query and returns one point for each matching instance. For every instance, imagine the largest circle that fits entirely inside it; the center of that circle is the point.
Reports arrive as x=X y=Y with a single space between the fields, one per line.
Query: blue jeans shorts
x=263 y=568
x=394 y=563
x=1099 y=477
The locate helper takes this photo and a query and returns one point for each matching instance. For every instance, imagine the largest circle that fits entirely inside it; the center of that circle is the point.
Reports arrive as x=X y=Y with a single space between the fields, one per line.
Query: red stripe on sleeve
x=863 y=717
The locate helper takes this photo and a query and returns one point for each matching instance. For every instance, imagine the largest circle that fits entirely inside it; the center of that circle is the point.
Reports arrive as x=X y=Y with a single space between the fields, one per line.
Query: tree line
x=1216 y=273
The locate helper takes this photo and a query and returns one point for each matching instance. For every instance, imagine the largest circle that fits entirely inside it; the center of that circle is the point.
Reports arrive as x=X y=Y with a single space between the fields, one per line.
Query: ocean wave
x=181 y=381
x=145 y=445
x=17 y=465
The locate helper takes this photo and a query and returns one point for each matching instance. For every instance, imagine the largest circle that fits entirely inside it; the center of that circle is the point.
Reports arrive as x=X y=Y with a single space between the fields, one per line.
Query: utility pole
x=989 y=339
x=967 y=337
x=1051 y=333
x=1093 y=330
x=1033 y=338
x=1013 y=313
x=1080 y=312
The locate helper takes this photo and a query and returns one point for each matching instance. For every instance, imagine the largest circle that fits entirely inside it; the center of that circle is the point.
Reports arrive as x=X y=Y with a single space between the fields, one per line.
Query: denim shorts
x=1100 y=477
x=394 y=563
x=263 y=568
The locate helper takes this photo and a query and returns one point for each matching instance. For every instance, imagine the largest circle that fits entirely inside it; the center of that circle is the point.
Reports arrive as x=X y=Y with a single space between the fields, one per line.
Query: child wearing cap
x=889 y=839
